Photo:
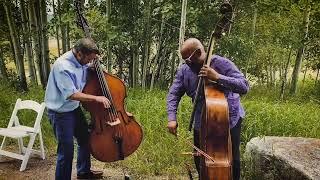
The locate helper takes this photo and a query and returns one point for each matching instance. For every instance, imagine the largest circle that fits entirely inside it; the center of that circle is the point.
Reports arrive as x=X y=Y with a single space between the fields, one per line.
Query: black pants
x=235 y=138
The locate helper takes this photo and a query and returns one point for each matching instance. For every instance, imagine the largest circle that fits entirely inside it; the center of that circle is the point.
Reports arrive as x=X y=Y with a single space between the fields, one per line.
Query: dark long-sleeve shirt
x=186 y=81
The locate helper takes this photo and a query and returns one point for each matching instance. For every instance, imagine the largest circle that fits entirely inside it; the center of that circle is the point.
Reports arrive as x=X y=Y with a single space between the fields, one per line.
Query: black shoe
x=90 y=175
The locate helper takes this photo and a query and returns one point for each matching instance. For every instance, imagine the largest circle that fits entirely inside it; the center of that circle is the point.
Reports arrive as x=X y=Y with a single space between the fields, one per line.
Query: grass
x=8 y=99
x=160 y=152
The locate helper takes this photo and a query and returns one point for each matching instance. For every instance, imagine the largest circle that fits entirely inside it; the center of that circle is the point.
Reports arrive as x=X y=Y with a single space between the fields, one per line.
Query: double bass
x=115 y=134
x=215 y=149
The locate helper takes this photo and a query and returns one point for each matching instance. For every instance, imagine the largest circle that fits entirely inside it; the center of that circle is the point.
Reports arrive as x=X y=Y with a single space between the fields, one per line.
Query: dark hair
x=86 y=46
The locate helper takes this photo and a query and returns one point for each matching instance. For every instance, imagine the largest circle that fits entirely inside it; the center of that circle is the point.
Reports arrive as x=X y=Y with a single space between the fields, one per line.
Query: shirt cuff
x=172 y=117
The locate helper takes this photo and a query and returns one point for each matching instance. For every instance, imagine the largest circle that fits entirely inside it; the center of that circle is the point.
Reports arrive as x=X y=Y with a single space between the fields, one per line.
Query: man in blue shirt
x=225 y=73
x=63 y=96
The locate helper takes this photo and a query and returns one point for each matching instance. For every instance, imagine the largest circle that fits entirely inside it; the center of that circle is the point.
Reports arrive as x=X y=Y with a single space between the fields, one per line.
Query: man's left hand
x=208 y=72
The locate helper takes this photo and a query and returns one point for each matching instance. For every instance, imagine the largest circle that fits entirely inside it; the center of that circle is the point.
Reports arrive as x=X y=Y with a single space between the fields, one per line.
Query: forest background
x=276 y=44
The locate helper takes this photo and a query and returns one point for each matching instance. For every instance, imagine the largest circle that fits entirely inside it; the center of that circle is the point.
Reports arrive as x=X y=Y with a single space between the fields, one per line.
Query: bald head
x=189 y=46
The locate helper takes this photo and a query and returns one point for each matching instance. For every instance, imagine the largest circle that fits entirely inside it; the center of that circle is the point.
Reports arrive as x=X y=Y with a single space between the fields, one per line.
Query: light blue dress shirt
x=67 y=77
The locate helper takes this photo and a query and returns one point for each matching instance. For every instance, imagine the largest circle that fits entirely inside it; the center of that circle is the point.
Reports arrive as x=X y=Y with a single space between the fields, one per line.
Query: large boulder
x=291 y=158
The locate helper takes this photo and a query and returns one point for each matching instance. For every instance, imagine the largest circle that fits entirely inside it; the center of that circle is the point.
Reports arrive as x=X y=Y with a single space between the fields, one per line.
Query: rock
x=274 y=158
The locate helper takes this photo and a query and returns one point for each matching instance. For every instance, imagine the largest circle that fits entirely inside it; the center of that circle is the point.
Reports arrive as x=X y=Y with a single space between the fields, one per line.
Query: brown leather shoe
x=90 y=175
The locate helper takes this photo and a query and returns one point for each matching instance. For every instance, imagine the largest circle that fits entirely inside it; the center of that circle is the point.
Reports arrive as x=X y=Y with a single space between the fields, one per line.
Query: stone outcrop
x=292 y=158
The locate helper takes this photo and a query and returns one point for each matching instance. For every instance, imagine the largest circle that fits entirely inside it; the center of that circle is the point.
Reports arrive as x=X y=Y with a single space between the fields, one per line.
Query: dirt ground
x=38 y=169
x=45 y=169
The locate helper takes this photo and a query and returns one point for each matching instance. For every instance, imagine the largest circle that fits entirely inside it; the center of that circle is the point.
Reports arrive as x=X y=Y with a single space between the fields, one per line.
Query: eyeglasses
x=188 y=60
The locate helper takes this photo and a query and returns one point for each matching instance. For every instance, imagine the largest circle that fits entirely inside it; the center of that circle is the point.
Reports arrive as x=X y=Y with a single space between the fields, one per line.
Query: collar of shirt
x=71 y=57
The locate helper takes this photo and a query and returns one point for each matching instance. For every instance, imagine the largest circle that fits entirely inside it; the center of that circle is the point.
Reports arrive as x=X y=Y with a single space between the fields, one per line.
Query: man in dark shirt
x=222 y=71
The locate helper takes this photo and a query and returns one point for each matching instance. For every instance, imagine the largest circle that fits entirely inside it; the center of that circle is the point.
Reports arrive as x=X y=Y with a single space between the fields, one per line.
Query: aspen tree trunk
x=147 y=41
x=297 y=66
x=62 y=29
x=55 y=12
x=37 y=6
x=285 y=74
x=44 y=43
x=253 y=29
x=135 y=64
x=109 y=57
x=27 y=42
x=182 y=27
x=156 y=61
x=34 y=36
x=316 y=81
x=68 y=36
x=16 y=46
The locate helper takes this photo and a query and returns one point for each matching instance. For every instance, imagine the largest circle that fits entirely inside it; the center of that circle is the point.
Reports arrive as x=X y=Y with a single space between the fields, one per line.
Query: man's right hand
x=103 y=100
x=172 y=127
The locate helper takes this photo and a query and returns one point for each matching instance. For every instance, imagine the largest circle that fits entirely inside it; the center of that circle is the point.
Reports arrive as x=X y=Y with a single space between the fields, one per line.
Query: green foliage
x=258 y=48
x=309 y=92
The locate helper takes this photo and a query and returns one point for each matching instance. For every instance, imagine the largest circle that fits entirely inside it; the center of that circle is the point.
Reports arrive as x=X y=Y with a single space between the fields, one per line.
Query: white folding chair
x=18 y=131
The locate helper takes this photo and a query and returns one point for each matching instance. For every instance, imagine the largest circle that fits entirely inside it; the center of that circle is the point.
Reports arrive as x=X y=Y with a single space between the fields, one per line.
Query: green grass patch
x=160 y=152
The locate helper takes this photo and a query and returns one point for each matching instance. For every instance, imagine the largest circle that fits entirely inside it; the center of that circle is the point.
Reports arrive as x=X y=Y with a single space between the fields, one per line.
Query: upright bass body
x=115 y=133
x=215 y=137
x=111 y=141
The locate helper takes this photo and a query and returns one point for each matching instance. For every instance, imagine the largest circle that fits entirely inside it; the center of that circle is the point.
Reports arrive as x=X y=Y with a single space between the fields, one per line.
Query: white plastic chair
x=18 y=131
